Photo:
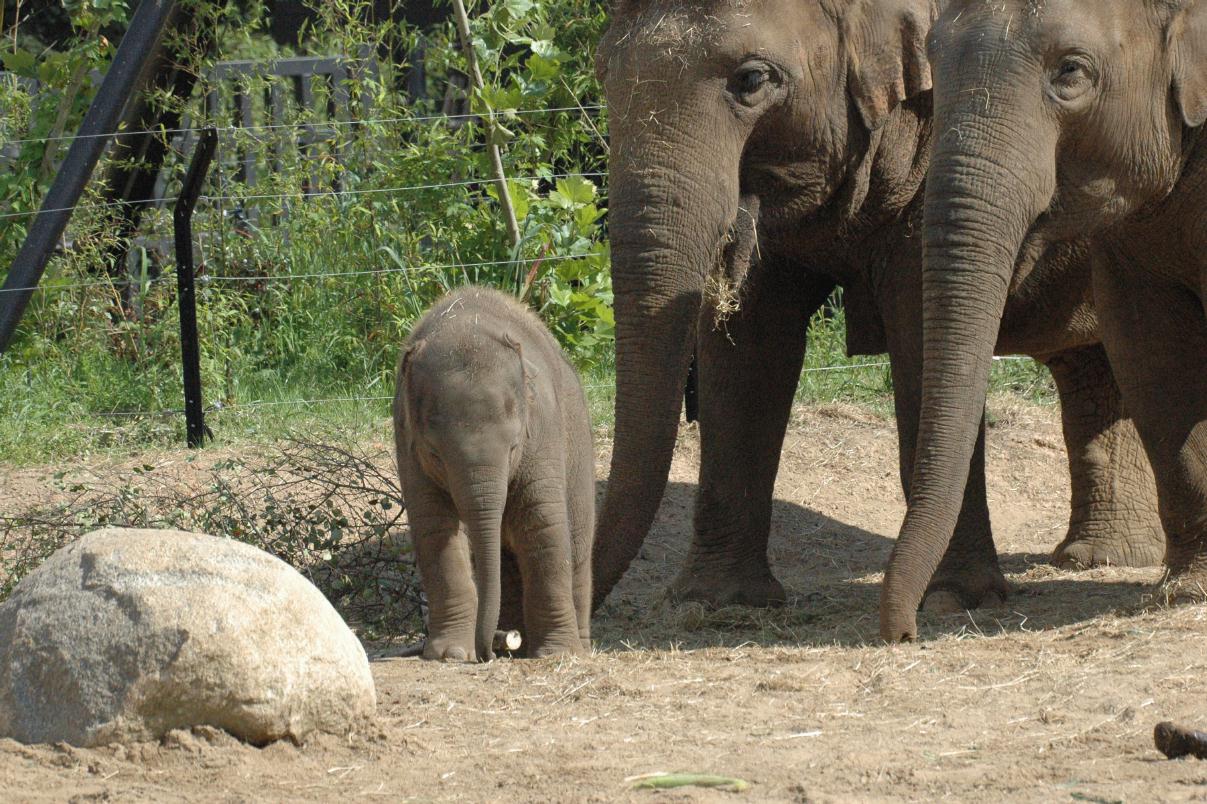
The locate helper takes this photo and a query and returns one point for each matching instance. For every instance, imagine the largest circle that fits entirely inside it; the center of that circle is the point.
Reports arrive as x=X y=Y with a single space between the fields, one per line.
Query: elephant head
x=727 y=120
x=462 y=412
x=1052 y=120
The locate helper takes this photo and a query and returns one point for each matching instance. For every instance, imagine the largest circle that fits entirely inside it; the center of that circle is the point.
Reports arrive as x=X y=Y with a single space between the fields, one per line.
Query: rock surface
x=127 y=634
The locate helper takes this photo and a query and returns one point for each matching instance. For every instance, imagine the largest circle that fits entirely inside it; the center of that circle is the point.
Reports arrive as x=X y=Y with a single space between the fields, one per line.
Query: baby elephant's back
x=481 y=311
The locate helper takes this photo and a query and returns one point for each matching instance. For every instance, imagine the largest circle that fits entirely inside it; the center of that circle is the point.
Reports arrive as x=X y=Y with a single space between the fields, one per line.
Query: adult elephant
x=762 y=154
x=1058 y=120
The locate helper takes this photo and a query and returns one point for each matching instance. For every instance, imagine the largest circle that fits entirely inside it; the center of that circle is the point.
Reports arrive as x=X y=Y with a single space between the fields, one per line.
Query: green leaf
x=20 y=62
x=54 y=68
x=499 y=134
x=519 y=197
x=518 y=9
x=498 y=99
x=542 y=69
x=577 y=188
x=587 y=215
x=546 y=49
x=572 y=191
x=665 y=781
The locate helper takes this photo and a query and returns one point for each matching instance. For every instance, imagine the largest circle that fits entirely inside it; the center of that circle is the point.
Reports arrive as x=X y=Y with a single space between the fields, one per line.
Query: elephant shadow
x=832 y=571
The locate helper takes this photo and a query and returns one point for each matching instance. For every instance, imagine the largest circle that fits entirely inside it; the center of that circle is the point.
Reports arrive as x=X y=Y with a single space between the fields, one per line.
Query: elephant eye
x=750 y=82
x=1068 y=68
x=1071 y=79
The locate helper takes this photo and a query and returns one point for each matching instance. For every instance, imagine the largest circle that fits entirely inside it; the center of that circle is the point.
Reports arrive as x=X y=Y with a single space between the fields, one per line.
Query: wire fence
x=218 y=407
x=307 y=195
x=444 y=118
x=206 y=279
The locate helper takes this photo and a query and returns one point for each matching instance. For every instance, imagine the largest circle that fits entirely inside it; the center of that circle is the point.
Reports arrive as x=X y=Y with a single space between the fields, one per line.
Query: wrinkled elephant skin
x=491 y=431
x=761 y=155
x=1078 y=119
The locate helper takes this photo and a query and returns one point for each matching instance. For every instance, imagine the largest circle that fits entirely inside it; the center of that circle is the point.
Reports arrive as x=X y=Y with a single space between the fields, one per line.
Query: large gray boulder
x=127 y=634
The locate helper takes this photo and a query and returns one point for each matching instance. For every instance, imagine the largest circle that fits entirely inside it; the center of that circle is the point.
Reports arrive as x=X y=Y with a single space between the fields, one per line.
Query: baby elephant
x=491 y=429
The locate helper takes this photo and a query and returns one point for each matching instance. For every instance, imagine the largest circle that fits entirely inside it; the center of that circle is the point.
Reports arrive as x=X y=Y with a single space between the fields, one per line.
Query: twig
x=496 y=160
x=65 y=103
x=531 y=278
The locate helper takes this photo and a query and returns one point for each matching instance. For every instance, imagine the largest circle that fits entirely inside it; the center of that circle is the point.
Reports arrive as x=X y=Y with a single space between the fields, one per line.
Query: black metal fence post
x=139 y=46
x=182 y=228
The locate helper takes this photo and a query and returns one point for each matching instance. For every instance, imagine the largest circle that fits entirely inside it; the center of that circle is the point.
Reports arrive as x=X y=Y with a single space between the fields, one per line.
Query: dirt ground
x=1051 y=698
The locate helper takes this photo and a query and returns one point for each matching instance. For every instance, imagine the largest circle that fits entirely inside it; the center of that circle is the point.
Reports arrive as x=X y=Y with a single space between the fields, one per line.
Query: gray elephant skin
x=1060 y=121
x=763 y=154
x=491 y=430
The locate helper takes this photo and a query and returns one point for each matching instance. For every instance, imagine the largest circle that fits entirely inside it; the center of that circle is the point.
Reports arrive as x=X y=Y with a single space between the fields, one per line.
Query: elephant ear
x=528 y=370
x=885 y=43
x=1188 y=43
x=402 y=393
x=409 y=353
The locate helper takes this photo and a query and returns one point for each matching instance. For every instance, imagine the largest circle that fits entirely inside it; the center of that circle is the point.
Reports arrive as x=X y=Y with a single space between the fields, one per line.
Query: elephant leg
x=1113 y=516
x=582 y=597
x=546 y=558
x=580 y=507
x=749 y=369
x=582 y=531
x=442 y=555
x=1155 y=334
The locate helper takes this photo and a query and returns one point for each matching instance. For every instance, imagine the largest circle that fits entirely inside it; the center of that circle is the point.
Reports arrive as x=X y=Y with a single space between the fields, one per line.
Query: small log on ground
x=1177 y=741
x=507 y=640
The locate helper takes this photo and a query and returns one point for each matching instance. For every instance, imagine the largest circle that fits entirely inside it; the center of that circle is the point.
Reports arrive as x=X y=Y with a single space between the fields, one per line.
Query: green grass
x=313 y=304
x=71 y=403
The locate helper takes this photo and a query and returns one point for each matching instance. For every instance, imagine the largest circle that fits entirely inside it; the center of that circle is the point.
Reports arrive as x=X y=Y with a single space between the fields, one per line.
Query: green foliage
x=310 y=297
x=830 y=376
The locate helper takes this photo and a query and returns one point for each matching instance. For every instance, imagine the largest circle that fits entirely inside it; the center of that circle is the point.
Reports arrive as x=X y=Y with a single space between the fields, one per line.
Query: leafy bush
x=308 y=297
x=311 y=296
x=333 y=512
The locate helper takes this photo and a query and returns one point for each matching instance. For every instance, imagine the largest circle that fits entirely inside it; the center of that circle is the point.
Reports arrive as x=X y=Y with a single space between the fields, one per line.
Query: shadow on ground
x=832 y=572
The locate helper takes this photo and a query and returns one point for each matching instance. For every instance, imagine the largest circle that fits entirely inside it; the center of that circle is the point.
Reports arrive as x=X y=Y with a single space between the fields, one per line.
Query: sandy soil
x=1051 y=698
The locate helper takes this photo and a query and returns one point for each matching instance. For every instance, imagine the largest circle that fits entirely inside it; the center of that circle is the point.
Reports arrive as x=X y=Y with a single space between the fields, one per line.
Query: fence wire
x=219 y=408
x=301 y=194
x=204 y=279
x=492 y=115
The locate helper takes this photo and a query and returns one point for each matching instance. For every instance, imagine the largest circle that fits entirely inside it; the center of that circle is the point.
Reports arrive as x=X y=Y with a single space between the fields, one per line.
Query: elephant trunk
x=667 y=224
x=987 y=185
x=481 y=504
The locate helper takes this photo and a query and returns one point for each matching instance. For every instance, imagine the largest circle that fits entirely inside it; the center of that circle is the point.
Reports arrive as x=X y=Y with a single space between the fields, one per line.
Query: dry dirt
x=1051 y=698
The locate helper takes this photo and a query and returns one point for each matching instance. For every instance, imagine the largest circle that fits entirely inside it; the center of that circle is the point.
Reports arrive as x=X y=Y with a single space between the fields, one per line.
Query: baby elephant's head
x=467 y=410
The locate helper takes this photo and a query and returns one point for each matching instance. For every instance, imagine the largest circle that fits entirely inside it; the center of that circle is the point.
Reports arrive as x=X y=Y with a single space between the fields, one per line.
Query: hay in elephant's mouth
x=724 y=295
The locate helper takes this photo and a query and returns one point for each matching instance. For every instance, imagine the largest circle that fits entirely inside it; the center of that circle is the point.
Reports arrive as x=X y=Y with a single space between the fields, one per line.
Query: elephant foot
x=449 y=649
x=447 y=652
x=570 y=649
x=1118 y=546
x=955 y=591
x=1187 y=585
x=731 y=586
